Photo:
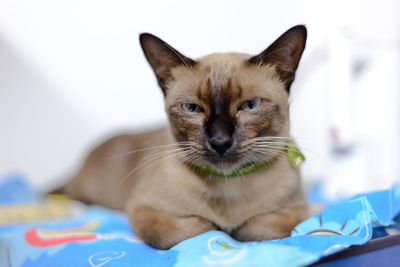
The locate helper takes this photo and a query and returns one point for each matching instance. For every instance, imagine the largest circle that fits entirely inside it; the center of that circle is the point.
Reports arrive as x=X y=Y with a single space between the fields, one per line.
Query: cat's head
x=228 y=110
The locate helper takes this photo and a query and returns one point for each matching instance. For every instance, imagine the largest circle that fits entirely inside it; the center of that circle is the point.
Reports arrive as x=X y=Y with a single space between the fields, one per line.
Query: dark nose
x=221 y=144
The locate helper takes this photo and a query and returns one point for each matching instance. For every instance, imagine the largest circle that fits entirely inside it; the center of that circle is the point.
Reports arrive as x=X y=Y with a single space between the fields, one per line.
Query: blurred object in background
x=72 y=73
x=364 y=113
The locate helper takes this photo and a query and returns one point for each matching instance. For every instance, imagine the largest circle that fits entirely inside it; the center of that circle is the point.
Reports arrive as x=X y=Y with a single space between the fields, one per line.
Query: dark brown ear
x=162 y=58
x=284 y=54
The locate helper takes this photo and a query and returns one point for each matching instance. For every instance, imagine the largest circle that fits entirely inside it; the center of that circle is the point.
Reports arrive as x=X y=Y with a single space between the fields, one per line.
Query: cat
x=221 y=164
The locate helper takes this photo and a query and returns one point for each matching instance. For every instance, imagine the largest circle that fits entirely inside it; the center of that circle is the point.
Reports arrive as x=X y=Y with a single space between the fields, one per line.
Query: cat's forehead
x=218 y=70
x=230 y=75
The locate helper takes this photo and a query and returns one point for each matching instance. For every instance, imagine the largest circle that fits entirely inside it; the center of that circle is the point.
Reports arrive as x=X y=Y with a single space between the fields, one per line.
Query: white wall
x=72 y=73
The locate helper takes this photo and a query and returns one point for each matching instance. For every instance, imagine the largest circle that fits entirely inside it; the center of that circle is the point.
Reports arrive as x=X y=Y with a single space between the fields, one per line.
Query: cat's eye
x=251 y=105
x=191 y=108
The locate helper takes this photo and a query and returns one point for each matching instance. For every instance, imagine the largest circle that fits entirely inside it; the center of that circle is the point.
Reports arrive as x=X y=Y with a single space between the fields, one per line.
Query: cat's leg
x=272 y=225
x=162 y=230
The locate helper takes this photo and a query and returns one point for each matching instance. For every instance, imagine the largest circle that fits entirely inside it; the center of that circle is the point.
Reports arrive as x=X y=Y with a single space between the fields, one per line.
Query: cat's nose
x=221 y=144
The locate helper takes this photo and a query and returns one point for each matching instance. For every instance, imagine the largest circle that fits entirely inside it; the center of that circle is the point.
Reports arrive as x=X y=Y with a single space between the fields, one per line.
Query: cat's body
x=226 y=112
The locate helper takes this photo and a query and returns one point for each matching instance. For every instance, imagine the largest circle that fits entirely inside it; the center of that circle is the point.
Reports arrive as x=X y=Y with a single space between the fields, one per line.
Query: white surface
x=72 y=72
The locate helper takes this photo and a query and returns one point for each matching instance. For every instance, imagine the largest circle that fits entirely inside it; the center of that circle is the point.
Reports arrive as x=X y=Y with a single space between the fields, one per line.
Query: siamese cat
x=222 y=164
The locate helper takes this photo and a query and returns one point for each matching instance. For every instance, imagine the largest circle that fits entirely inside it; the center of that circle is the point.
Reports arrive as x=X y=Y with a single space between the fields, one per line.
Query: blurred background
x=72 y=74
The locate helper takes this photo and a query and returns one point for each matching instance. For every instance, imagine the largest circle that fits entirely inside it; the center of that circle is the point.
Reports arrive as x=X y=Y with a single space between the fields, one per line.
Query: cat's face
x=222 y=103
x=228 y=110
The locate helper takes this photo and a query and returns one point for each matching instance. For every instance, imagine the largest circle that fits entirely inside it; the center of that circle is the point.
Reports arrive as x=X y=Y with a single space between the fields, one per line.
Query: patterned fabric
x=38 y=231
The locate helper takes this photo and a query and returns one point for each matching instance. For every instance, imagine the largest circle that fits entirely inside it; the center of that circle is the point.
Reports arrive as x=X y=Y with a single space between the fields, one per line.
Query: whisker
x=148 y=162
x=290 y=138
x=152 y=155
x=276 y=147
x=146 y=149
x=156 y=156
x=160 y=158
x=283 y=146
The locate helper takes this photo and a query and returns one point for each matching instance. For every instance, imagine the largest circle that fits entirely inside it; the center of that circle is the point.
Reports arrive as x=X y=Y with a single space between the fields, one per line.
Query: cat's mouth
x=242 y=158
x=206 y=159
x=238 y=160
x=233 y=163
x=240 y=163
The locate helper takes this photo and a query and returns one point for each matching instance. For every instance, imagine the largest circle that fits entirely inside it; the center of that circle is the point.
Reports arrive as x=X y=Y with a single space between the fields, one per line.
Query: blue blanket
x=55 y=231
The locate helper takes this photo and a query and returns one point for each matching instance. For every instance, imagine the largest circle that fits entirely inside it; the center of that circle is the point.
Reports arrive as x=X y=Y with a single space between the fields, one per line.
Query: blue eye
x=191 y=108
x=251 y=104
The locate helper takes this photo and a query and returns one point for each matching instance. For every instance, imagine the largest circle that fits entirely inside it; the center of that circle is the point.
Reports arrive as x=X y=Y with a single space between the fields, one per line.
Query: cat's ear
x=284 y=54
x=162 y=58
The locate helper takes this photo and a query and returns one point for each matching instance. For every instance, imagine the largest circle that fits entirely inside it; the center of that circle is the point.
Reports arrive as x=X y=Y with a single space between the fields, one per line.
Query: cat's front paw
x=269 y=226
x=162 y=230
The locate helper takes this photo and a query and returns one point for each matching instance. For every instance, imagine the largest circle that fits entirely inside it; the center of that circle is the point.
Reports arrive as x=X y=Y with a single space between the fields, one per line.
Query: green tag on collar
x=295 y=157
